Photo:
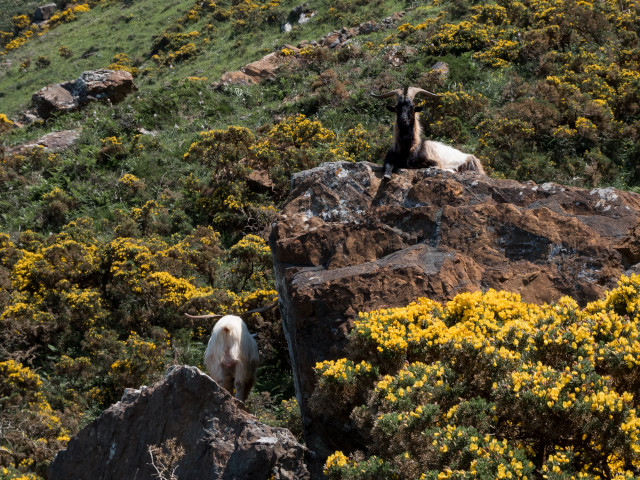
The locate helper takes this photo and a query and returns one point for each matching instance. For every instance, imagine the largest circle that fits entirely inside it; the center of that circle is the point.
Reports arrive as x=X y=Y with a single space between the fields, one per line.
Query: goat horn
x=243 y=315
x=211 y=315
x=397 y=93
x=413 y=91
x=246 y=315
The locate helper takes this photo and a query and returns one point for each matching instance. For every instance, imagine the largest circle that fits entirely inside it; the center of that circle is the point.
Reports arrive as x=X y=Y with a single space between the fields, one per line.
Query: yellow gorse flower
x=516 y=364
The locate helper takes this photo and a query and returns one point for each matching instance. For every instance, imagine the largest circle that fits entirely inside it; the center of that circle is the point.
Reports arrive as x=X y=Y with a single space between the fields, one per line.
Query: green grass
x=94 y=38
x=9 y=8
x=113 y=28
x=331 y=86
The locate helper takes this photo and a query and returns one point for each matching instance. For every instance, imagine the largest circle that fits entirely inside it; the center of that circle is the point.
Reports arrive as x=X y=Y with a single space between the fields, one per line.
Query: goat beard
x=406 y=135
x=406 y=144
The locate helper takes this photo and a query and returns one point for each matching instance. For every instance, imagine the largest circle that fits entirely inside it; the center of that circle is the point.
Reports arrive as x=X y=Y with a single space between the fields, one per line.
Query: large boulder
x=102 y=84
x=43 y=13
x=53 y=99
x=346 y=241
x=220 y=440
x=265 y=68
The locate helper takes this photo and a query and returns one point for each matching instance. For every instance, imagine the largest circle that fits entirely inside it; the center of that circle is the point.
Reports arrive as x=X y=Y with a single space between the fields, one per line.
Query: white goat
x=231 y=357
x=409 y=150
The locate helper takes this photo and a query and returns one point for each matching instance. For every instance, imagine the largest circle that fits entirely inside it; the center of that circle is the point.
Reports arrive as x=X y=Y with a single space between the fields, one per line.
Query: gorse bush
x=231 y=196
x=567 y=93
x=183 y=178
x=32 y=432
x=487 y=386
x=64 y=51
x=5 y=123
x=102 y=315
x=292 y=145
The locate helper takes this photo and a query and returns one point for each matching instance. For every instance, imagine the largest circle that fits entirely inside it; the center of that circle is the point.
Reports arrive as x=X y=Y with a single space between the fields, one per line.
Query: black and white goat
x=409 y=150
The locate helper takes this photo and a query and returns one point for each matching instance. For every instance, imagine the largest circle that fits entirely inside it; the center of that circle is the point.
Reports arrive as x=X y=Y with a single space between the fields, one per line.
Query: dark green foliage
x=543 y=95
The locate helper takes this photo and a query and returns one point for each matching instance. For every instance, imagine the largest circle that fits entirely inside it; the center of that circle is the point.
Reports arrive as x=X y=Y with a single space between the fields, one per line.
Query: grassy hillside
x=156 y=210
x=141 y=29
x=10 y=8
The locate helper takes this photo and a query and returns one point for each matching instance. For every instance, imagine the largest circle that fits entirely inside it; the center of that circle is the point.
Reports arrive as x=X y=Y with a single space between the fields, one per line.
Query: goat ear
x=418 y=109
x=391 y=108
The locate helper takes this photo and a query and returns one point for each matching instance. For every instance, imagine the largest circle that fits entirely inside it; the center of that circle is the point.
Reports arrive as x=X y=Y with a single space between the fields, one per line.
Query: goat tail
x=472 y=164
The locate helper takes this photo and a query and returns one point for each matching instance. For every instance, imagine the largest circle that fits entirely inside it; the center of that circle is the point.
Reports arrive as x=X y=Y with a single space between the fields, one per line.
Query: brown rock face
x=53 y=142
x=52 y=99
x=220 y=440
x=347 y=242
x=260 y=181
x=103 y=84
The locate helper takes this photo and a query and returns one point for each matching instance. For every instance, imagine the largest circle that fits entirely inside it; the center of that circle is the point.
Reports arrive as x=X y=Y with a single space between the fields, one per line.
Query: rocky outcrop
x=51 y=142
x=255 y=72
x=43 y=13
x=219 y=439
x=265 y=68
x=102 y=84
x=347 y=242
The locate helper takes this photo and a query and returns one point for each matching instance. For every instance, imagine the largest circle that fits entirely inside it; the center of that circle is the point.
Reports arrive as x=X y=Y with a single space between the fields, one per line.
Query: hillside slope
x=163 y=205
x=540 y=91
x=11 y=8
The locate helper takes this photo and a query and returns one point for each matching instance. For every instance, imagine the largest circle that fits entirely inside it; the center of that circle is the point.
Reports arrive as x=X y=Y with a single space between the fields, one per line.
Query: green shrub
x=491 y=387
x=31 y=429
x=64 y=51
x=43 y=61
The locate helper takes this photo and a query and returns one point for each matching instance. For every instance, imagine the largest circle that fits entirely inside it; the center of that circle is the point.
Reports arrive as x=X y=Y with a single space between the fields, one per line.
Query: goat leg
x=388 y=171
x=389 y=164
